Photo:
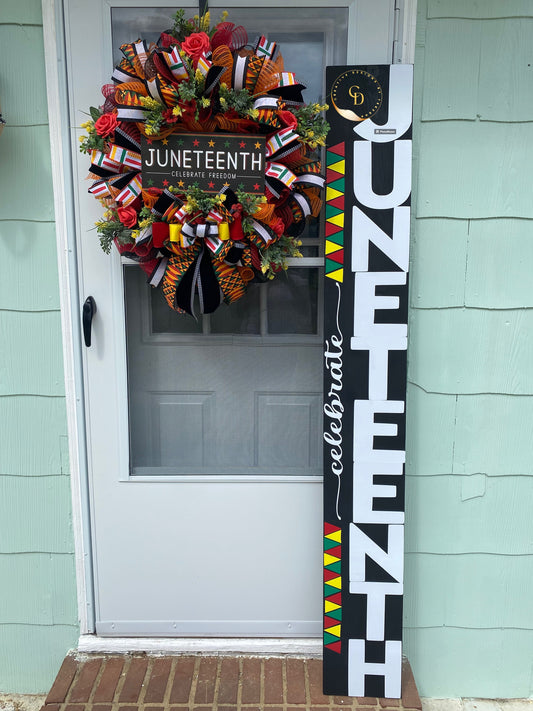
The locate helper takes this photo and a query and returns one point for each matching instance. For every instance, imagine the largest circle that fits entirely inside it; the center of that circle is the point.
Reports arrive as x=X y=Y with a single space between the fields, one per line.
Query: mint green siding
x=469 y=546
x=38 y=611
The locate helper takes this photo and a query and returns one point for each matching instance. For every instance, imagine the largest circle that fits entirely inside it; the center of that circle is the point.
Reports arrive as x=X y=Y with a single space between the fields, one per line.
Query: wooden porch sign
x=365 y=331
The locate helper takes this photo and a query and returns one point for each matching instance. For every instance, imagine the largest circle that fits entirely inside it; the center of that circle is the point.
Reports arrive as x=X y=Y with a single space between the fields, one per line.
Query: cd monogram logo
x=357 y=96
x=356 y=102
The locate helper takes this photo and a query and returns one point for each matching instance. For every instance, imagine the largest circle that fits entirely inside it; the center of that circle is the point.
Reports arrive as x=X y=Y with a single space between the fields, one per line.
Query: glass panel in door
x=237 y=392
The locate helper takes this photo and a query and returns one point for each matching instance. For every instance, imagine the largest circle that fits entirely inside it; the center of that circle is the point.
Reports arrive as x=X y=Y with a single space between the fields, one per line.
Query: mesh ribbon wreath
x=201 y=80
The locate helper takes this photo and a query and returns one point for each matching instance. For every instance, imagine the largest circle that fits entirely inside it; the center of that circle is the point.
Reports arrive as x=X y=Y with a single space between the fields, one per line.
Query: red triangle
x=338 y=257
x=330 y=622
x=337 y=202
x=332 y=175
x=332 y=230
x=330 y=528
x=336 y=598
x=330 y=574
x=337 y=550
x=338 y=149
x=334 y=646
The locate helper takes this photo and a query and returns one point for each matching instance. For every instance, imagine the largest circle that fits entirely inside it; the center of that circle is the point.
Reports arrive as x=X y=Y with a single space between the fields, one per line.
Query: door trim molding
x=62 y=179
x=305 y=647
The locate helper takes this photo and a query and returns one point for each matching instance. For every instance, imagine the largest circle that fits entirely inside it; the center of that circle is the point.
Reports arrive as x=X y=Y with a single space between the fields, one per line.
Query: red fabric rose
x=196 y=44
x=128 y=216
x=288 y=118
x=106 y=124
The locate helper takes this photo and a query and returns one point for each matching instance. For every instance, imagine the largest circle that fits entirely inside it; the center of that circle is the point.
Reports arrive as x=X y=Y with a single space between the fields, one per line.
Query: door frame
x=63 y=182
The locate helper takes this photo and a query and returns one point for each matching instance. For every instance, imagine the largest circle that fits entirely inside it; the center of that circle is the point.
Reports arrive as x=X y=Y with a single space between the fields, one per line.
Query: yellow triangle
x=335 y=631
x=335 y=583
x=337 y=220
x=337 y=275
x=329 y=559
x=330 y=606
x=331 y=194
x=336 y=535
x=339 y=167
x=332 y=247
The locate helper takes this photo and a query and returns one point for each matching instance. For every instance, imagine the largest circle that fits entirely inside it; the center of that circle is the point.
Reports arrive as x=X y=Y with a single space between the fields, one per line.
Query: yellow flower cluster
x=203 y=22
x=318 y=142
x=149 y=103
x=89 y=127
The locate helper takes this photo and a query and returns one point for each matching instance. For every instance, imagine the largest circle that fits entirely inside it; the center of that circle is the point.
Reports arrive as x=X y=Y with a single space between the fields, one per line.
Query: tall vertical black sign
x=365 y=329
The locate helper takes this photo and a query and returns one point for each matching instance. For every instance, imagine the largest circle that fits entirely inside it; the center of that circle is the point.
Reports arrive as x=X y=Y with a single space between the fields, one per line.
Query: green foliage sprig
x=240 y=100
x=249 y=203
x=92 y=141
x=109 y=230
x=196 y=200
x=312 y=126
x=275 y=257
x=182 y=27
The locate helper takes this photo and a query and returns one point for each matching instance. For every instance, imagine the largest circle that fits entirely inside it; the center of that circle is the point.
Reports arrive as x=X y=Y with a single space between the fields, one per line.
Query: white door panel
x=205 y=499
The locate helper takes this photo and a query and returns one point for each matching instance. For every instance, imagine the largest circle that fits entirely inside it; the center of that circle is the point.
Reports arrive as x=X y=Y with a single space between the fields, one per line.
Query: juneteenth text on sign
x=379 y=421
x=209 y=160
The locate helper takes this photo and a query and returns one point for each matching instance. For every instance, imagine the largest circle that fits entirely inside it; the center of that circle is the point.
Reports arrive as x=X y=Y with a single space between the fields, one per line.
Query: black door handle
x=89 y=309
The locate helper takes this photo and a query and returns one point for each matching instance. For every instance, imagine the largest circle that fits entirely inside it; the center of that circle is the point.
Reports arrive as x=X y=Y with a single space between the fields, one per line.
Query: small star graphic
x=242 y=144
x=181 y=184
x=211 y=143
x=149 y=141
x=165 y=183
x=241 y=186
x=150 y=183
x=226 y=185
x=164 y=141
x=211 y=185
x=180 y=142
x=258 y=145
x=227 y=144
x=256 y=186
x=196 y=142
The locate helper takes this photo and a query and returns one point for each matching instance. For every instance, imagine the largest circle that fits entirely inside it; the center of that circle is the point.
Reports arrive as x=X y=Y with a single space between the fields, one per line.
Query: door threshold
x=263 y=646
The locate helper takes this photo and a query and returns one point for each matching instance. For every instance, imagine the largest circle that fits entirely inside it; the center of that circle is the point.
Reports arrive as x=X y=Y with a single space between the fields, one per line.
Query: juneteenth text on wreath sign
x=209 y=160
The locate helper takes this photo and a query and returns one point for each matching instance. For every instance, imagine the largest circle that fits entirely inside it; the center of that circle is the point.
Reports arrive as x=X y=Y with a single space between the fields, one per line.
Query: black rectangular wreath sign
x=208 y=160
x=365 y=329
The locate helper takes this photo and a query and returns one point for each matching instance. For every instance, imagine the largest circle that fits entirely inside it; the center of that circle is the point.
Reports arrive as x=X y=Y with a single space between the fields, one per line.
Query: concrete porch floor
x=200 y=683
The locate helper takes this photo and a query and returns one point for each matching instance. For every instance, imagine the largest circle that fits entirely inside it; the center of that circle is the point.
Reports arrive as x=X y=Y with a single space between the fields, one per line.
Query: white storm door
x=204 y=438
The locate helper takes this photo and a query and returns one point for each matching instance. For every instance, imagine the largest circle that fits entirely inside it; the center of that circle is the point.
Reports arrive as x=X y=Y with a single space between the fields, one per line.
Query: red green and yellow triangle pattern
x=332 y=588
x=336 y=169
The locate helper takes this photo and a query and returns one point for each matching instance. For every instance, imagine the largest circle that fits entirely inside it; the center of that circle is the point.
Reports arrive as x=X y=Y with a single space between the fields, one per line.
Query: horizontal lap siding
x=469 y=548
x=38 y=614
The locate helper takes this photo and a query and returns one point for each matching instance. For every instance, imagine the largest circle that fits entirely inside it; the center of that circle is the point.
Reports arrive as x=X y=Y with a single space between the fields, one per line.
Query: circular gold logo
x=356 y=95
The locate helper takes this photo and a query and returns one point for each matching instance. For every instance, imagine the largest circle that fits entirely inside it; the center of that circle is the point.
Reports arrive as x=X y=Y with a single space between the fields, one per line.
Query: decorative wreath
x=209 y=86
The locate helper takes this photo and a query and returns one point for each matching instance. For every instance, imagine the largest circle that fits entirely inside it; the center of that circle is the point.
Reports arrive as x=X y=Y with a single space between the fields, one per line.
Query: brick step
x=141 y=682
